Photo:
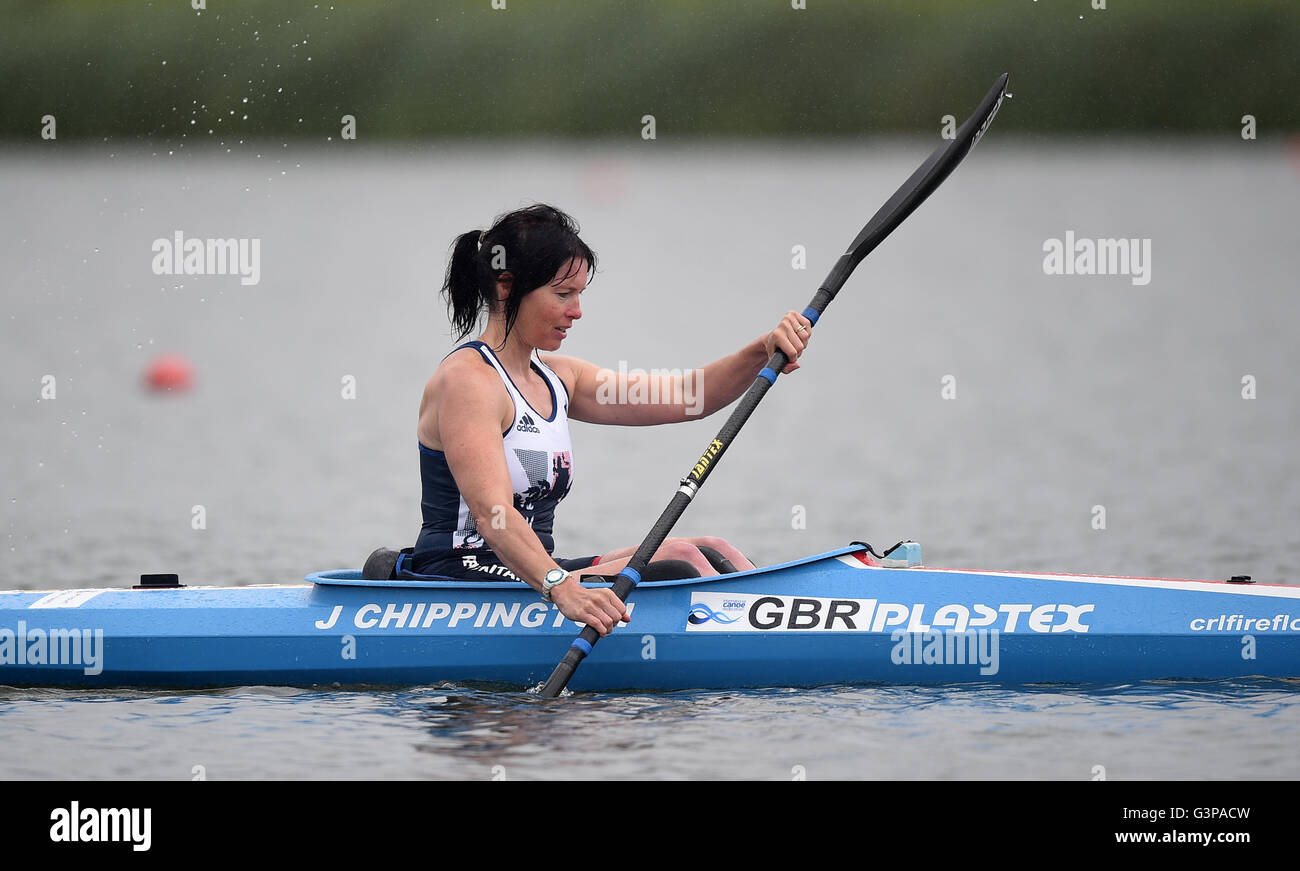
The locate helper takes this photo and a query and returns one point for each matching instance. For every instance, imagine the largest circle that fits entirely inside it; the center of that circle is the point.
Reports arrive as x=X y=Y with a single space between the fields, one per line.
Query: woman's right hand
x=598 y=608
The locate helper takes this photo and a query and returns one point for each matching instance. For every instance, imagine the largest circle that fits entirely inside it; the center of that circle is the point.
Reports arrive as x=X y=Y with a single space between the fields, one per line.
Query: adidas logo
x=527 y=424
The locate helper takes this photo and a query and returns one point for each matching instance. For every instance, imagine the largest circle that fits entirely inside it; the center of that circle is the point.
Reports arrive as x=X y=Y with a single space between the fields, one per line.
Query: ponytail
x=463 y=288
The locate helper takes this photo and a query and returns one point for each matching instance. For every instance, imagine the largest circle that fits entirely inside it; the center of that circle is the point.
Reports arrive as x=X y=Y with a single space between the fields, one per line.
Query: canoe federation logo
x=750 y=612
x=704 y=614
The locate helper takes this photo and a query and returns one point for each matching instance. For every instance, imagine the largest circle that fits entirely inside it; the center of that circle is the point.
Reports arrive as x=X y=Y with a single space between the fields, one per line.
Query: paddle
x=904 y=201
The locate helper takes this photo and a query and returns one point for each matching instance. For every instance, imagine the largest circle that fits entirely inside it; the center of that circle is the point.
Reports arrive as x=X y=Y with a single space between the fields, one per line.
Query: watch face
x=554 y=576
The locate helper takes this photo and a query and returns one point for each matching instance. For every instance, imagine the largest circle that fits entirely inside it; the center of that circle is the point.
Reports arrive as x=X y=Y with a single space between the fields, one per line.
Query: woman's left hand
x=792 y=336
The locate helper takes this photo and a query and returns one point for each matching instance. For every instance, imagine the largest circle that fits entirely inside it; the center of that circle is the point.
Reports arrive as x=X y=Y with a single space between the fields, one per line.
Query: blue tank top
x=538 y=454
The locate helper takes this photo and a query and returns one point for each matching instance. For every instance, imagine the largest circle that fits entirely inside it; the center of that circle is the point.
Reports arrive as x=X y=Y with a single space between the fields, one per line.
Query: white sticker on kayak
x=65 y=599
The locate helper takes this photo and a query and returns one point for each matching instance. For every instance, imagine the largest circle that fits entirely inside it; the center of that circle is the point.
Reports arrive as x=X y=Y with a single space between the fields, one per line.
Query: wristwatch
x=553 y=579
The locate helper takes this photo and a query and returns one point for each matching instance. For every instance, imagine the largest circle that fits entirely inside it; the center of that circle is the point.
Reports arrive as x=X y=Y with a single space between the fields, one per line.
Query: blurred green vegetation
x=576 y=68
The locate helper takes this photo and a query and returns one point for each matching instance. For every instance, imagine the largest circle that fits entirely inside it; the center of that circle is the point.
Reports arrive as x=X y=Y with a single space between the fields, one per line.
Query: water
x=450 y=732
x=1072 y=392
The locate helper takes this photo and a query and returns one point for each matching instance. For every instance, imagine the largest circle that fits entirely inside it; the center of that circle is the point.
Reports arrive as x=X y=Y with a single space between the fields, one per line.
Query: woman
x=488 y=511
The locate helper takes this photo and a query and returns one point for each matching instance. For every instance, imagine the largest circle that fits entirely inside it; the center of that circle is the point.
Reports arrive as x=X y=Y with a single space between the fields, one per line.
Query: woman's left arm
x=638 y=398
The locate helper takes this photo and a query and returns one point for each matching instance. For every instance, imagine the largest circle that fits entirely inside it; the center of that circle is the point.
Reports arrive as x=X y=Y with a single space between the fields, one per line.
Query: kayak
x=837 y=617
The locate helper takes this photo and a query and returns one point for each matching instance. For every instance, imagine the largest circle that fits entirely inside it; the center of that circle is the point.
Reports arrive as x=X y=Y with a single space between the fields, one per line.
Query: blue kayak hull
x=827 y=619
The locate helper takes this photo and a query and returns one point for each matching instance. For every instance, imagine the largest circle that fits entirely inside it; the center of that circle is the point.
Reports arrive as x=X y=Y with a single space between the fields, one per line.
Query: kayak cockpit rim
x=352 y=577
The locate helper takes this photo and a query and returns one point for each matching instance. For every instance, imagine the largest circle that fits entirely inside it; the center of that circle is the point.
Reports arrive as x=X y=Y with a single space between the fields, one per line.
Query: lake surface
x=954 y=394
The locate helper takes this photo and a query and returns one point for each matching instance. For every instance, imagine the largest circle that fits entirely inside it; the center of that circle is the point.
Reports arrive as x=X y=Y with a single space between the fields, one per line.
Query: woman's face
x=546 y=314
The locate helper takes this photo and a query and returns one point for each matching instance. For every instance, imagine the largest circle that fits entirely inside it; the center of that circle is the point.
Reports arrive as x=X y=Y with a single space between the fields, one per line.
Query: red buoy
x=169 y=373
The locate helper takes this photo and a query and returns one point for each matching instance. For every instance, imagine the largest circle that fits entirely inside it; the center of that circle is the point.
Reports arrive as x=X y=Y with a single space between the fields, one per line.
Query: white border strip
x=65 y=599
x=47 y=594
x=1276 y=591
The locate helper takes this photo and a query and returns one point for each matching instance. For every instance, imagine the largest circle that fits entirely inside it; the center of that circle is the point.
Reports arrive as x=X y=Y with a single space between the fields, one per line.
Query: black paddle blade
x=937 y=167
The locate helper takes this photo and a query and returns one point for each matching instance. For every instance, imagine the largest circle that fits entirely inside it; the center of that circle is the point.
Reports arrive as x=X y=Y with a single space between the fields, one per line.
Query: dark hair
x=534 y=243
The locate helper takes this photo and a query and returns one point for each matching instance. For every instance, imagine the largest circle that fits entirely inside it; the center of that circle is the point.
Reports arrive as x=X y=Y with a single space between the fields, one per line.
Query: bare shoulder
x=468 y=383
x=465 y=363
x=464 y=368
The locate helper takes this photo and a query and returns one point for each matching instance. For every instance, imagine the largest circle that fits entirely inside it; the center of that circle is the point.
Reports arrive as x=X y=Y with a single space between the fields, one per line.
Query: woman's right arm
x=470 y=407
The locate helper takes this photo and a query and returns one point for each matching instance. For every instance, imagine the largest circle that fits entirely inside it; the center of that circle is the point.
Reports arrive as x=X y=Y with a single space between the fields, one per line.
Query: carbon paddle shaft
x=920 y=185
